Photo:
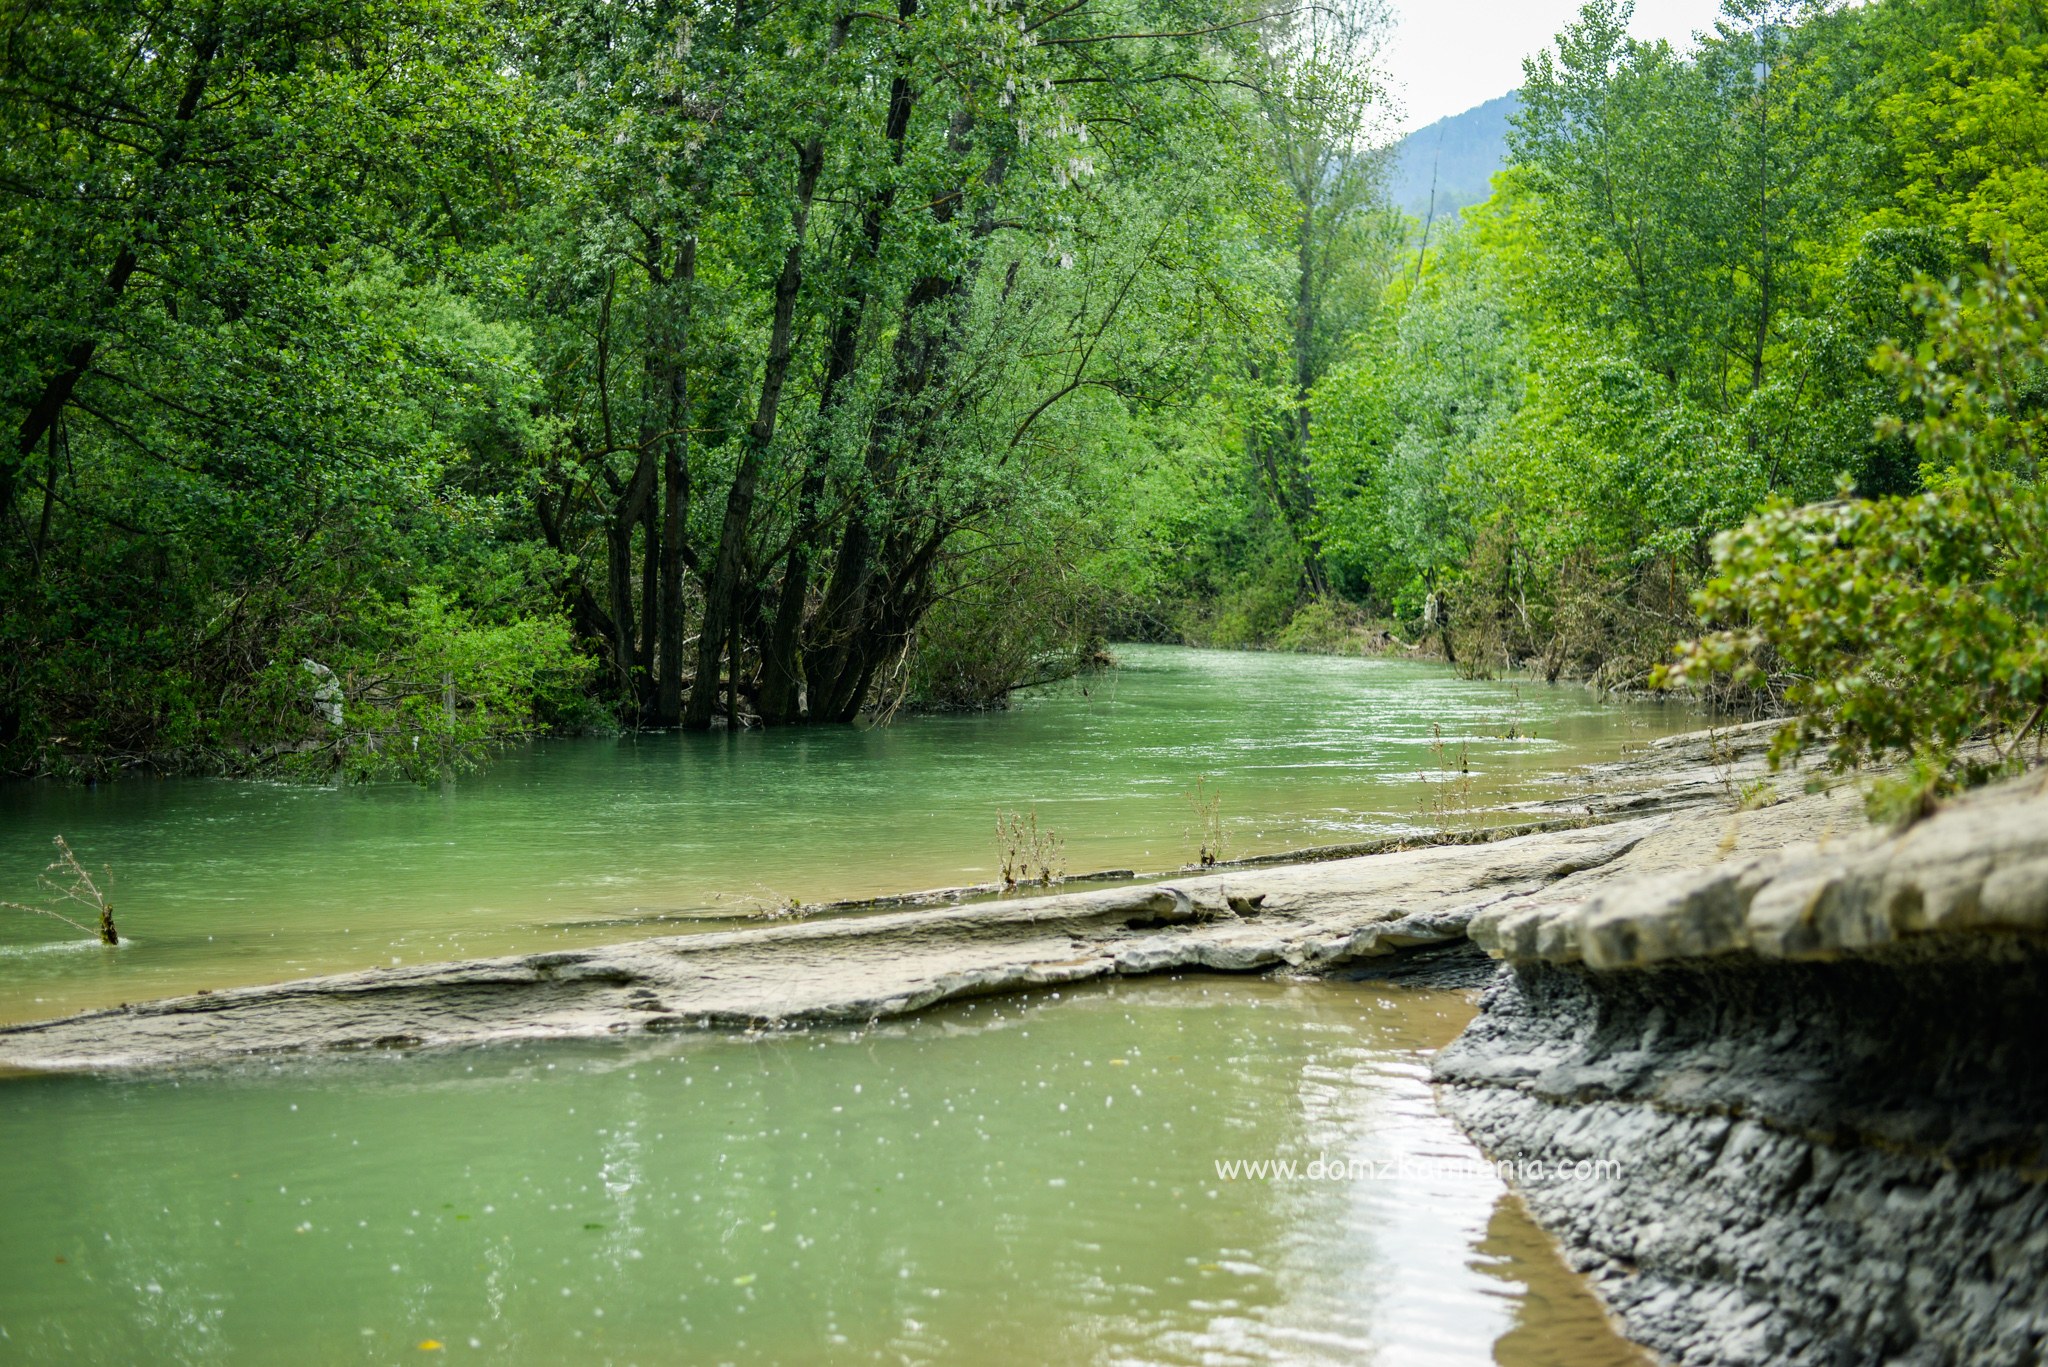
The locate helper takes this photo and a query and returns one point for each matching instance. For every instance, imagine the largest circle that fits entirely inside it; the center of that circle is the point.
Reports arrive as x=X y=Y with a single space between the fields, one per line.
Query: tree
x=1904 y=626
x=239 y=397
x=924 y=275
x=1321 y=109
x=1963 y=121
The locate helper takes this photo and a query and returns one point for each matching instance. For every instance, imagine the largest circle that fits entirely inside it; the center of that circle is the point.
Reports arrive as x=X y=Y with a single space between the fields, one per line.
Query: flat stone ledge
x=1978 y=865
x=1661 y=808
x=1307 y=918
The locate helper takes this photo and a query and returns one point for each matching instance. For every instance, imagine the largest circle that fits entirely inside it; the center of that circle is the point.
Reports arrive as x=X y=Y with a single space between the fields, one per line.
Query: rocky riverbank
x=1777 y=1081
x=1791 y=1106
x=1343 y=906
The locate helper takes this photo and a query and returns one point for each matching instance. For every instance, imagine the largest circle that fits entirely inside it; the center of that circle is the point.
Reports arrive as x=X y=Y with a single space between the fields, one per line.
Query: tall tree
x=1323 y=114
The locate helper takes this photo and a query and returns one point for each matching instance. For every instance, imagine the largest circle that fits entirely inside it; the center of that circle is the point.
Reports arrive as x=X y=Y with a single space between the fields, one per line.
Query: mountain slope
x=1463 y=151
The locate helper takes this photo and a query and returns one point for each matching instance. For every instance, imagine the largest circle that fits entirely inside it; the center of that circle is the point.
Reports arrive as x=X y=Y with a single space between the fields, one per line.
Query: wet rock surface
x=848 y=969
x=1305 y=916
x=1811 y=1056
x=1791 y=1106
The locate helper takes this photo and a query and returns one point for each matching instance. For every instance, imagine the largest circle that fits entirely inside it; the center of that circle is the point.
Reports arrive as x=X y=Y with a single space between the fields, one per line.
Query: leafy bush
x=1906 y=626
x=1254 y=610
x=434 y=691
x=1325 y=626
x=1007 y=617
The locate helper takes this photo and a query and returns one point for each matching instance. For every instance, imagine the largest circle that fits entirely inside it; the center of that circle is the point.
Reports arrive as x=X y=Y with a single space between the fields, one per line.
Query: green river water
x=1019 y=1180
x=562 y=843
x=1014 y=1181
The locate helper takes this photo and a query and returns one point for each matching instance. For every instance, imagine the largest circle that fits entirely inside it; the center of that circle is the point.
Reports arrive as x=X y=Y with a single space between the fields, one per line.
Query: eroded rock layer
x=1792 y=1107
x=850 y=968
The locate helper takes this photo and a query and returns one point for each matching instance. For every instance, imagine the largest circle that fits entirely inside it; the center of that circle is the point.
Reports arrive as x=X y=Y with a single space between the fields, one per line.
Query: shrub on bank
x=1904 y=627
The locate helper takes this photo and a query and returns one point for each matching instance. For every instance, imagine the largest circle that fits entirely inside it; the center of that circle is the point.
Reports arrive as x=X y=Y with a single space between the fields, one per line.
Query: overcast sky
x=1448 y=55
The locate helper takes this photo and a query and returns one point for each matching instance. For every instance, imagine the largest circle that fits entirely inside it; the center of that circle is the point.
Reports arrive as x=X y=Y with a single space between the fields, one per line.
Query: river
x=1018 y=1180
x=1056 y=1177
x=572 y=842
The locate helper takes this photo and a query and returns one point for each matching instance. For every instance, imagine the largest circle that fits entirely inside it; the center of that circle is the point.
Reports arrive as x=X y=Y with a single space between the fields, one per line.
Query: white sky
x=1449 y=55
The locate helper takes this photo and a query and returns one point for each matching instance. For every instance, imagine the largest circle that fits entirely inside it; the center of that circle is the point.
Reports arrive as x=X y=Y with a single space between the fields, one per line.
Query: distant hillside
x=1465 y=150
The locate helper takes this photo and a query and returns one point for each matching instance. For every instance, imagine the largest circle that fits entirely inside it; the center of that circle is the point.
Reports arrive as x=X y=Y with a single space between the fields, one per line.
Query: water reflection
x=1020 y=1179
x=1557 y=1320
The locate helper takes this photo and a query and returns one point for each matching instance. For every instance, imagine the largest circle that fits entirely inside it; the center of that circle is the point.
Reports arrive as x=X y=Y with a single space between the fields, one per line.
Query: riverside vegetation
x=386 y=379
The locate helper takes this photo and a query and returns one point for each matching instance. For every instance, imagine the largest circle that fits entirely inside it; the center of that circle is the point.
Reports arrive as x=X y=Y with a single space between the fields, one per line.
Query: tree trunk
x=627 y=513
x=1303 y=489
x=842 y=663
x=732 y=676
x=783 y=696
x=838 y=666
x=898 y=604
x=650 y=597
x=720 y=605
x=675 y=469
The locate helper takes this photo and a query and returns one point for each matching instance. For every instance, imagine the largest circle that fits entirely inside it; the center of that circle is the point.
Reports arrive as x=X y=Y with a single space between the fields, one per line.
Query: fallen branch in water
x=82 y=890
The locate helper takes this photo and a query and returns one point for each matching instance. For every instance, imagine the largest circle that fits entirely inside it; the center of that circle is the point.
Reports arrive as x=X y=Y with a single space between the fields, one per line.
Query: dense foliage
x=1907 y=625
x=478 y=366
x=1665 y=318
x=387 y=378
x=250 y=421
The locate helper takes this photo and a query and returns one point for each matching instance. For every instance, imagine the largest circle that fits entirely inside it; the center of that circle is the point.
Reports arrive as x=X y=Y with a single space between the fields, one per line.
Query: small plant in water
x=782 y=910
x=1024 y=847
x=1450 y=799
x=1009 y=845
x=80 y=889
x=1512 y=726
x=1206 y=834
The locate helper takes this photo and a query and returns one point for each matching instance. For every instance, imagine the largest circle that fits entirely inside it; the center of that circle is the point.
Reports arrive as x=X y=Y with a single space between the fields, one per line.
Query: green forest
x=385 y=379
